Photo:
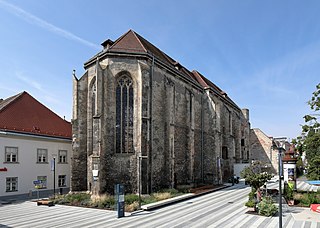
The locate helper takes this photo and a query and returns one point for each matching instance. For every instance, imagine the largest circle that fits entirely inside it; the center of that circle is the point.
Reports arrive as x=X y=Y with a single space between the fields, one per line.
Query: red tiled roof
x=24 y=114
x=133 y=42
x=128 y=42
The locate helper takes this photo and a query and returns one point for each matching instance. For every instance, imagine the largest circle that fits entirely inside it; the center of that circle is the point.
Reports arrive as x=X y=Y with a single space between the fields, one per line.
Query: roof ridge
x=135 y=35
x=120 y=38
x=167 y=57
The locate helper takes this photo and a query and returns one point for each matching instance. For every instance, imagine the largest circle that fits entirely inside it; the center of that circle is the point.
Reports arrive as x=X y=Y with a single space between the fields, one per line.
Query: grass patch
x=106 y=201
x=305 y=199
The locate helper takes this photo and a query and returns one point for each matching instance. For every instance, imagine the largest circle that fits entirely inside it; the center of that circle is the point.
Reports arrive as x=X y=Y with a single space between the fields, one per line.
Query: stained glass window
x=124 y=115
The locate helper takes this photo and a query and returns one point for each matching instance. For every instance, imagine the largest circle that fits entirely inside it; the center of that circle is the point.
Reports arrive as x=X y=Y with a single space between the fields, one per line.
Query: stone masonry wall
x=179 y=130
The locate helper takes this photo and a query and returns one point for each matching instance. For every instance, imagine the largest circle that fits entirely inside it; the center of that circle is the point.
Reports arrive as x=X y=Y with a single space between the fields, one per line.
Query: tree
x=314 y=169
x=311 y=144
x=253 y=177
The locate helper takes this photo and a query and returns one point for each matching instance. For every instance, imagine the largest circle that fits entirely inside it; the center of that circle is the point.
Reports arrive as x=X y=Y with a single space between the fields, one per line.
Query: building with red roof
x=143 y=119
x=31 y=136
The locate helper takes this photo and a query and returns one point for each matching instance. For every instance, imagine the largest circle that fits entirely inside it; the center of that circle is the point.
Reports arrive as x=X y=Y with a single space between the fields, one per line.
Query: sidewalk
x=298 y=213
x=304 y=214
x=166 y=202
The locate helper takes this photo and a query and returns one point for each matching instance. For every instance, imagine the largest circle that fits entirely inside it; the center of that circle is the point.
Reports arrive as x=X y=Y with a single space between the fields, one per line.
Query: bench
x=45 y=202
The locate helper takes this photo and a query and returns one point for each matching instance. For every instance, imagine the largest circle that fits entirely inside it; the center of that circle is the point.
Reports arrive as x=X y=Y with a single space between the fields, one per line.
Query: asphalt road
x=223 y=208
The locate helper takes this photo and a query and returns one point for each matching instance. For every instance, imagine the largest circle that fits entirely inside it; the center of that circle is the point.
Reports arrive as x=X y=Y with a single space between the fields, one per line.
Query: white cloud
x=38 y=87
x=32 y=19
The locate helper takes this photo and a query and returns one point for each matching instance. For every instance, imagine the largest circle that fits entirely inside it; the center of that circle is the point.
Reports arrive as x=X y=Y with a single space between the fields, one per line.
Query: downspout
x=150 y=125
x=202 y=124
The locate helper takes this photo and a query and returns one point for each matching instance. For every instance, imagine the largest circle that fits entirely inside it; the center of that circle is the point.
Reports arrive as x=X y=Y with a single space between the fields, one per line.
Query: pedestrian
x=258 y=195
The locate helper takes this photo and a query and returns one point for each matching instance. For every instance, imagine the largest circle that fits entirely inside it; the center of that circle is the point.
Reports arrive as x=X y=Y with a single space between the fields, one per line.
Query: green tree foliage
x=314 y=169
x=254 y=177
x=311 y=144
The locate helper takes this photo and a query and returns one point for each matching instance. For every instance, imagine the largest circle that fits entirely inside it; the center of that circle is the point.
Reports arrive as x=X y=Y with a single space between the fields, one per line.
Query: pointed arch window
x=93 y=99
x=124 y=115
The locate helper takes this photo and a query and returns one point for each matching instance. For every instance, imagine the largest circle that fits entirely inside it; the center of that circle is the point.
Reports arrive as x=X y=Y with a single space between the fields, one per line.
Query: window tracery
x=124 y=115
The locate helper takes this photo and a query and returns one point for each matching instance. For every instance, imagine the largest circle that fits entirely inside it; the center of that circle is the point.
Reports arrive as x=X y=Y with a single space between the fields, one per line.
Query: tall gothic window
x=124 y=112
x=93 y=98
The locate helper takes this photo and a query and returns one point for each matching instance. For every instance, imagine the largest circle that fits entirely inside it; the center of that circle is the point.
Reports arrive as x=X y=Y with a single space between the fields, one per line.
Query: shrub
x=309 y=198
x=102 y=201
x=161 y=195
x=266 y=207
x=132 y=207
x=131 y=198
x=288 y=190
x=252 y=199
x=250 y=203
x=72 y=198
x=173 y=191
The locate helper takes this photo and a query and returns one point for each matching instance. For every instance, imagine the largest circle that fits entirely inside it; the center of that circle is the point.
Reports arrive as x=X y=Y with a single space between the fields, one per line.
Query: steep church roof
x=132 y=42
x=206 y=83
x=22 y=113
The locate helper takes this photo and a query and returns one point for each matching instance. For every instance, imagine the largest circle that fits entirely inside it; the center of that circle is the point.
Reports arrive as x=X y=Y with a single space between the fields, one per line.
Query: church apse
x=144 y=120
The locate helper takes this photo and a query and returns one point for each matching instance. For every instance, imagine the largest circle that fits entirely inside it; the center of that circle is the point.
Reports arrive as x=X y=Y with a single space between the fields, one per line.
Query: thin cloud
x=36 y=85
x=30 y=82
x=32 y=19
x=277 y=76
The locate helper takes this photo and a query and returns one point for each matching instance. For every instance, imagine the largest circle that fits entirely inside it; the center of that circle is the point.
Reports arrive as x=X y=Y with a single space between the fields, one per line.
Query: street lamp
x=53 y=168
x=279 y=144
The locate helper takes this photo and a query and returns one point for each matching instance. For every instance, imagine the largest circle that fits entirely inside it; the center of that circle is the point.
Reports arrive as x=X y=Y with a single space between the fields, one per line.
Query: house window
x=42 y=155
x=43 y=181
x=62 y=181
x=224 y=152
x=124 y=115
x=11 y=184
x=11 y=154
x=62 y=156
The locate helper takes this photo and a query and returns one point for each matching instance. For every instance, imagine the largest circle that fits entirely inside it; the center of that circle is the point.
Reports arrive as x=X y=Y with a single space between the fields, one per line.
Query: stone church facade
x=142 y=119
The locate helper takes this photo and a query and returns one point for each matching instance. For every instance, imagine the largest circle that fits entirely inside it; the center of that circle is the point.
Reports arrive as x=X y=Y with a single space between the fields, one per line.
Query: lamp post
x=54 y=177
x=53 y=168
x=280 y=143
x=280 y=193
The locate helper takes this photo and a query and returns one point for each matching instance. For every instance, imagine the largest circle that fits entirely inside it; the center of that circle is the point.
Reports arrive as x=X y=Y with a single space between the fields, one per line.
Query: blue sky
x=264 y=54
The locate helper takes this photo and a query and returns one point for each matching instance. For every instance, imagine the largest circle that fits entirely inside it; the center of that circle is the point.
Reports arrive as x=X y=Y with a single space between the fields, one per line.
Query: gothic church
x=142 y=119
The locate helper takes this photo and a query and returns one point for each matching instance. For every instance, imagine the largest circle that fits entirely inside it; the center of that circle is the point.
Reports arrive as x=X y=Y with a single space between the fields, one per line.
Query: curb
x=156 y=205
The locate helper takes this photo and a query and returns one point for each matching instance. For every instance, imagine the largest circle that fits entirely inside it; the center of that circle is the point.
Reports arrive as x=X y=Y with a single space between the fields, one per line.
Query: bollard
x=119 y=192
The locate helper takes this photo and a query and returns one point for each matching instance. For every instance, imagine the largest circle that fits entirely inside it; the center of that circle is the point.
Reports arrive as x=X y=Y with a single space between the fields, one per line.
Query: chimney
x=107 y=44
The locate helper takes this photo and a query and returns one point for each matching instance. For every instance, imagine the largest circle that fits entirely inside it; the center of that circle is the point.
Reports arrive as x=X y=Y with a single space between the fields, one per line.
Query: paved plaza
x=223 y=208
